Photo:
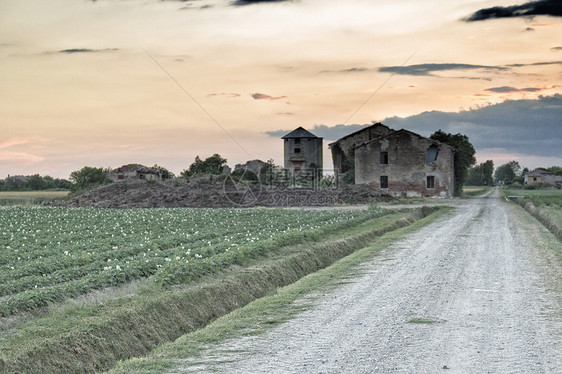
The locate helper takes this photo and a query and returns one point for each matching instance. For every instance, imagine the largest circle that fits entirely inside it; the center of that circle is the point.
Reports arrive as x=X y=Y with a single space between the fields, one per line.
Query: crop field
x=548 y=200
x=51 y=254
x=8 y=198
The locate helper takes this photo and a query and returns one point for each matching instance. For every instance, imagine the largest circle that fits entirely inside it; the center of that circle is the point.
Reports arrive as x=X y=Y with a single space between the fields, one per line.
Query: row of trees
x=33 y=183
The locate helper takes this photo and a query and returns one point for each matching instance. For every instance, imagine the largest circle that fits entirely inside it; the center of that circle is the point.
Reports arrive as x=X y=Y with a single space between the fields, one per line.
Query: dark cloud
x=429 y=69
x=260 y=96
x=508 y=89
x=86 y=50
x=286 y=114
x=536 y=64
x=350 y=70
x=250 y=2
x=556 y=48
x=529 y=9
x=531 y=127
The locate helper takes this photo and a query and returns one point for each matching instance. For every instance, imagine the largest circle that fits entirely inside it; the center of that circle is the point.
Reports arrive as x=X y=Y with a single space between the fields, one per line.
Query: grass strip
x=552 y=225
x=265 y=313
x=93 y=338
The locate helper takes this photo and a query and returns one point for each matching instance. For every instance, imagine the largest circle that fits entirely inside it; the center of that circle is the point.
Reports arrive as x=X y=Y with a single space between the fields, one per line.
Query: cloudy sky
x=111 y=82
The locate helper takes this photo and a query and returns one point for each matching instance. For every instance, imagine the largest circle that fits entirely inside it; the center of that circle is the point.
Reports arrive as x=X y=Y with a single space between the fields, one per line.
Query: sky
x=111 y=82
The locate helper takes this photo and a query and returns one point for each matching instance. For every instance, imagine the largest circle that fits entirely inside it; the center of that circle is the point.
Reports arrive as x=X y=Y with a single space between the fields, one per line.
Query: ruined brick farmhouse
x=396 y=162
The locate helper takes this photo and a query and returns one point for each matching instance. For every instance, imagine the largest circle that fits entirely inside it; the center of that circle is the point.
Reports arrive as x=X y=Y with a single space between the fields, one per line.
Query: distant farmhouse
x=302 y=150
x=542 y=176
x=396 y=162
x=134 y=171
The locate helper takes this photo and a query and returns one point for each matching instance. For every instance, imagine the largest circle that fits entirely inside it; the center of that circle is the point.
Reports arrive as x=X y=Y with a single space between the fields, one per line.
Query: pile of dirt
x=206 y=193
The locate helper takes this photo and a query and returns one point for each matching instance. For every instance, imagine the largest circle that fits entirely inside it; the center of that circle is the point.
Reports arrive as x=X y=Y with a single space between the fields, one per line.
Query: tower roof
x=300 y=133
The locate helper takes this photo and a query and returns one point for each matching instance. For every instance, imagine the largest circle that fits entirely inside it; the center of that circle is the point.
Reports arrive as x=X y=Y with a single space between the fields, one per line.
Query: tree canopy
x=507 y=173
x=211 y=165
x=481 y=175
x=464 y=155
x=33 y=183
x=87 y=178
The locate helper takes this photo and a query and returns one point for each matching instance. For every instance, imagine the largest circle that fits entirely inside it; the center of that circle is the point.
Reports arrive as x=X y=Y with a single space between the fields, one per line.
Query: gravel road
x=474 y=292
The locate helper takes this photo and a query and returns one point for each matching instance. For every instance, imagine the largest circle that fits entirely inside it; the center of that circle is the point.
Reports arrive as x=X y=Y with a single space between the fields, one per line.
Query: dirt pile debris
x=205 y=193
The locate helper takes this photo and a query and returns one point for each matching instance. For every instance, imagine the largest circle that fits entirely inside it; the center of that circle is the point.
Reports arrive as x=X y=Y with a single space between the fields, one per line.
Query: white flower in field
x=177 y=257
x=117 y=267
x=108 y=260
x=66 y=253
x=115 y=247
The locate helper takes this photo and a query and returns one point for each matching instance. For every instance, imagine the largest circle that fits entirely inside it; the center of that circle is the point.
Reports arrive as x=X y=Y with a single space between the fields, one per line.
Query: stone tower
x=303 y=150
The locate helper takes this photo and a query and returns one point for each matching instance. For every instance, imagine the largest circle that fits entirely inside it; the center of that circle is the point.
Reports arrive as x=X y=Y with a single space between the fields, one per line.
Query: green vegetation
x=422 y=321
x=54 y=253
x=87 y=178
x=508 y=173
x=11 y=198
x=213 y=165
x=265 y=313
x=481 y=175
x=132 y=322
x=544 y=205
x=33 y=183
x=464 y=156
x=473 y=191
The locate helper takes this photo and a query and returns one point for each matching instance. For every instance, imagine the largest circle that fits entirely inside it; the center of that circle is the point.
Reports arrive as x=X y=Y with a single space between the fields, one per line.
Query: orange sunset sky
x=97 y=83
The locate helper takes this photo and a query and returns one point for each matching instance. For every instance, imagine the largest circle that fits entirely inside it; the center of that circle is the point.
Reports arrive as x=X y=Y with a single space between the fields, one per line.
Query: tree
x=211 y=165
x=481 y=175
x=464 y=155
x=506 y=173
x=87 y=178
x=556 y=170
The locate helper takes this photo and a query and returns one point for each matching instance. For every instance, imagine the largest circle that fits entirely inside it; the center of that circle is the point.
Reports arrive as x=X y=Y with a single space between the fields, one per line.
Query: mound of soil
x=205 y=193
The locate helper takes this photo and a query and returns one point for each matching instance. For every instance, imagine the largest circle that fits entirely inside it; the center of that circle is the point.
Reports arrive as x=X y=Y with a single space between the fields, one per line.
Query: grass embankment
x=544 y=205
x=265 y=313
x=93 y=336
x=474 y=191
x=11 y=198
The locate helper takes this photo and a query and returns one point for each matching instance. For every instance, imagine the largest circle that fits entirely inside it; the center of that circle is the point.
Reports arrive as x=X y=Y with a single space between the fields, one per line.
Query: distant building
x=302 y=150
x=254 y=166
x=396 y=162
x=134 y=171
x=540 y=175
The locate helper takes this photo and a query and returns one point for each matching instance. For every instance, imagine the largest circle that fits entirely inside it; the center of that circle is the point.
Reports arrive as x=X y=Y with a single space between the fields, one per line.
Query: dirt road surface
x=474 y=292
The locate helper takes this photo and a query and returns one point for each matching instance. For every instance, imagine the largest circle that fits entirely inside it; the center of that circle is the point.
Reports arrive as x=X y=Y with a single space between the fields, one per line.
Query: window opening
x=384 y=158
x=384 y=181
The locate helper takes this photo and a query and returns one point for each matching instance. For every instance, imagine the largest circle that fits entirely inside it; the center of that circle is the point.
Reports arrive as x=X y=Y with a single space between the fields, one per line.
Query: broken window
x=297 y=141
x=384 y=181
x=297 y=150
x=430 y=182
x=120 y=176
x=384 y=158
x=432 y=153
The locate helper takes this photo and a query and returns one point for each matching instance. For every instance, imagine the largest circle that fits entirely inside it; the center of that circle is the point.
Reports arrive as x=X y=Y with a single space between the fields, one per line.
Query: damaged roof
x=403 y=131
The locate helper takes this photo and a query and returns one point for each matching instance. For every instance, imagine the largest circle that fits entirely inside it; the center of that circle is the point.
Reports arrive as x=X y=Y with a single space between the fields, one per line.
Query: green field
x=8 y=198
x=472 y=191
x=117 y=283
x=50 y=254
x=548 y=203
